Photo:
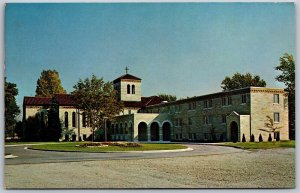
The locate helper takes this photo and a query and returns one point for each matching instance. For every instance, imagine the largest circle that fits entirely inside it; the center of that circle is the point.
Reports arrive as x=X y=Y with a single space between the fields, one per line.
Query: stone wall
x=130 y=97
x=262 y=105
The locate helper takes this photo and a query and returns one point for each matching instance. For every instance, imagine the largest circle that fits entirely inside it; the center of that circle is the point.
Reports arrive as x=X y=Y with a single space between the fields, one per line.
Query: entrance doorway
x=142 y=131
x=166 y=131
x=154 y=130
x=234 y=131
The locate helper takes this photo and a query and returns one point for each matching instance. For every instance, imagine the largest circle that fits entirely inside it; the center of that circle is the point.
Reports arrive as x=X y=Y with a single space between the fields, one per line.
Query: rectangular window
x=276 y=117
x=229 y=100
x=223 y=101
x=223 y=118
x=180 y=122
x=207 y=120
x=210 y=103
x=194 y=105
x=190 y=121
x=244 y=98
x=190 y=106
x=205 y=104
x=276 y=98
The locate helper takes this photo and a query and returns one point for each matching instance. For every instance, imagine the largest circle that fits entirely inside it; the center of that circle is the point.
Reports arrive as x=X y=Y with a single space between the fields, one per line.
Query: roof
x=126 y=76
x=65 y=99
x=145 y=101
x=62 y=99
x=36 y=101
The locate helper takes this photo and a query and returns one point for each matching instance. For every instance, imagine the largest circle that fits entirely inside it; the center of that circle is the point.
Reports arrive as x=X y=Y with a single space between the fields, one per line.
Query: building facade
x=223 y=116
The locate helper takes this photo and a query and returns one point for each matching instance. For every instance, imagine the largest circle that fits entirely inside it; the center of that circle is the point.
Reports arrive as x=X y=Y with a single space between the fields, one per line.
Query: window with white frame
x=223 y=101
x=276 y=117
x=244 y=98
x=229 y=100
x=276 y=98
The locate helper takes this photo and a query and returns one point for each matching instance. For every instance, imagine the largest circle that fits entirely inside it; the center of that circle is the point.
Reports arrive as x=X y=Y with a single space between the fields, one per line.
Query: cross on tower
x=126 y=69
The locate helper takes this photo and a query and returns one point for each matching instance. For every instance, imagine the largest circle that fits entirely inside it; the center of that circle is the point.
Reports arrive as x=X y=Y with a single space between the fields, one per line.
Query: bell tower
x=128 y=87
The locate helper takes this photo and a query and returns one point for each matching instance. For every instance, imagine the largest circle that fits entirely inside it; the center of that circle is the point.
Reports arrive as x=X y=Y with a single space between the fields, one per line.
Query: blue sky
x=185 y=49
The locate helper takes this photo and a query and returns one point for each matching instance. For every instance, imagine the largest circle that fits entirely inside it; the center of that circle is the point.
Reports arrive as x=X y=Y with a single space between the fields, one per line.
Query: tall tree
x=98 y=100
x=48 y=84
x=11 y=107
x=167 y=97
x=287 y=67
x=242 y=80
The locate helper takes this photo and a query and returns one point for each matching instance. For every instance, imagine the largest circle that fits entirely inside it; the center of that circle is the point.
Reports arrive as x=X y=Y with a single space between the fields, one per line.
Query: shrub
x=244 y=138
x=260 y=139
x=270 y=137
x=252 y=139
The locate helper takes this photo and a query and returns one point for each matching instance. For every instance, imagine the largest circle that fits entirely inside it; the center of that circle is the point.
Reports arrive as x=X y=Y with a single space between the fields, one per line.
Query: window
x=244 y=98
x=129 y=112
x=223 y=101
x=223 y=118
x=73 y=119
x=276 y=98
x=205 y=104
x=133 y=89
x=205 y=120
x=276 y=117
x=192 y=106
x=83 y=119
x=66 y=120
x=190 y=121
x=180 y=122
x=210 y=103
x=128 y=89
x=229 y=100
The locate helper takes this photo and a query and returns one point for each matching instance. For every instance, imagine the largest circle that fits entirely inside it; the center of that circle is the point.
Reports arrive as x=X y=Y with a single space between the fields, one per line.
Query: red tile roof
x=65 y=99
x=36 y=101
x=145 y=101
x=126 y=76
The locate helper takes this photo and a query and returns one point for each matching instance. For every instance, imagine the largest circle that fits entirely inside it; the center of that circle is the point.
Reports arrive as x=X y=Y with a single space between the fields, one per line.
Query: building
x=222 y=116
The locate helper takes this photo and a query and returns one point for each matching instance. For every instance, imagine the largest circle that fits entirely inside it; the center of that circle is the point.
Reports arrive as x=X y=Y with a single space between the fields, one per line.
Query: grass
x=262 y=145
x=23 y=142
x=71 y=146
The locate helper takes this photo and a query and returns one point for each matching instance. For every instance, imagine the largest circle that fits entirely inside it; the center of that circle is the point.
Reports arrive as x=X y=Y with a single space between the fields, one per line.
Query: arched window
x=117 y=129
x=121 y=128
x=73 y=119
x=66 y=120
x=112 y=129
x=128 y=89
x=133 y=89
x=83 y=119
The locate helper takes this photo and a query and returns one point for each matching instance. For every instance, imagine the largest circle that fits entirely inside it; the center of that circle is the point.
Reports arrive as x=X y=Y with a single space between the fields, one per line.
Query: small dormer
x=128 y=87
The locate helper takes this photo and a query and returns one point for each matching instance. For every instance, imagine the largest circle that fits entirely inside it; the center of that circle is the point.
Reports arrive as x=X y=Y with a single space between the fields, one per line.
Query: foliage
x=252 y=139
x=11 y=108
x=270 y=137
x=103 y=144
x=287 y=67
x=98 y=99
x=262 y=145
x=54 y=128
x=73 y=146
x=49 y=84
x=244 y=138
x=44 y=126
x=241 y=81
x=67 y=132
x=167 y=97
x=19 y=129
x=270 y=127
x=260 y=139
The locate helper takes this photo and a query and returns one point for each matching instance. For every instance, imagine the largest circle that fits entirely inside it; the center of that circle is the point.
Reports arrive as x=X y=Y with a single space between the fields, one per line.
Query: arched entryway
x=154 y=131
x=234 y=129
x=142 y=131
x=166 y=131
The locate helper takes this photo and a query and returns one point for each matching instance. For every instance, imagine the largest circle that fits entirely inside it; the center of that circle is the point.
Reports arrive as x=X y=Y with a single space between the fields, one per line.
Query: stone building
x=222 y=116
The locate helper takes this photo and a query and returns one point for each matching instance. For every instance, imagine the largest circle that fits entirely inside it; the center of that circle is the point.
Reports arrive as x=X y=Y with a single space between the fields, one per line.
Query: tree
x=244 y=138
x=49 y=84
x=54 y=127
x=241 y=81
x=11 y=108
x=167 y=97
x=287 y=67
x=98 y=99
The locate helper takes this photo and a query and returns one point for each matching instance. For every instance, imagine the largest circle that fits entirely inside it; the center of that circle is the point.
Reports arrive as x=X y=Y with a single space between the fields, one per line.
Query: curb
x=150 y=151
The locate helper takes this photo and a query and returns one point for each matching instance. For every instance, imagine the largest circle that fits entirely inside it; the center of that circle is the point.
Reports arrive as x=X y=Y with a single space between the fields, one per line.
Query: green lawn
x=71 y=146
x=262 y=145
x=23 y=142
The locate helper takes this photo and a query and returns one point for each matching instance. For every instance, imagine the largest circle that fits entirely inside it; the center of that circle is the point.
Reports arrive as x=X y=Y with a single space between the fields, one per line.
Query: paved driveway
x=27 y=156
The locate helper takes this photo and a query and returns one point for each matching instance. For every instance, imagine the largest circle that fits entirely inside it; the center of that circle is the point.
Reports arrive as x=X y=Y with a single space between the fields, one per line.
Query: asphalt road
x=27 y=156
